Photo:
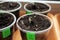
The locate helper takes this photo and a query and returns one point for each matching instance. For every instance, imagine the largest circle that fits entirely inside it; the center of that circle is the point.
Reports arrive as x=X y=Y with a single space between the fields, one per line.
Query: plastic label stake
x=6 y=33
x=30 y=36
x=27 y=12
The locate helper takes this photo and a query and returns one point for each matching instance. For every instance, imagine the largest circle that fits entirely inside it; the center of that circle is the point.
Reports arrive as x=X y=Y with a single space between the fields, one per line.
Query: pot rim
x=38 y=12
x=1 y=11
x=35 y=31
x=13 y=10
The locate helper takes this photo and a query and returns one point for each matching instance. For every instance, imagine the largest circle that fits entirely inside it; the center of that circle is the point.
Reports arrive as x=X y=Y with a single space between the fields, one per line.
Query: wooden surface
x=52 y=34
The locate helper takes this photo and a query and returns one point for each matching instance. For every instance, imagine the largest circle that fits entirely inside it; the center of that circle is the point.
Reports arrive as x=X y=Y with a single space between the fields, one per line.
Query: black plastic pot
x=14 y=11
x=34 y=35
x=7 y=32
x=29 y=11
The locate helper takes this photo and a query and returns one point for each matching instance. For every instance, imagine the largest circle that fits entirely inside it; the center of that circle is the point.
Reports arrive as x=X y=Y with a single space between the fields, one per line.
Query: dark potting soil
x=37 y=7
x=34 y=22
x=9 y=5
x=5 y=20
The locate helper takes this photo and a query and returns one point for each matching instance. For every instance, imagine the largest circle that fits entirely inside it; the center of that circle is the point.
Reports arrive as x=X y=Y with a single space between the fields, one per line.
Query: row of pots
x=16 y=10
x=6 y=32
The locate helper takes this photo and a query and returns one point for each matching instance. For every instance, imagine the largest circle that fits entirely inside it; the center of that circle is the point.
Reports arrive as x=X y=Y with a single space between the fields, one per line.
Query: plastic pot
x=31 y=11
x=16 y=10
x=7 y=32
x=34 y=35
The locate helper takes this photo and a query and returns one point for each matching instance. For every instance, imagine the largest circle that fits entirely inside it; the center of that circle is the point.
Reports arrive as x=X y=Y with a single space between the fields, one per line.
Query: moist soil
x=37 y=7
x=5 y=20
x=34 y=23
x=9 y=5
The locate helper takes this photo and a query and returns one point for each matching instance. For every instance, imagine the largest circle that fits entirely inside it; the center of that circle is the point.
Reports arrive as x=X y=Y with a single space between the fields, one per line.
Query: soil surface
x=5 y=20
x=34 y=22
x=9 y=5
x=37 y=7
